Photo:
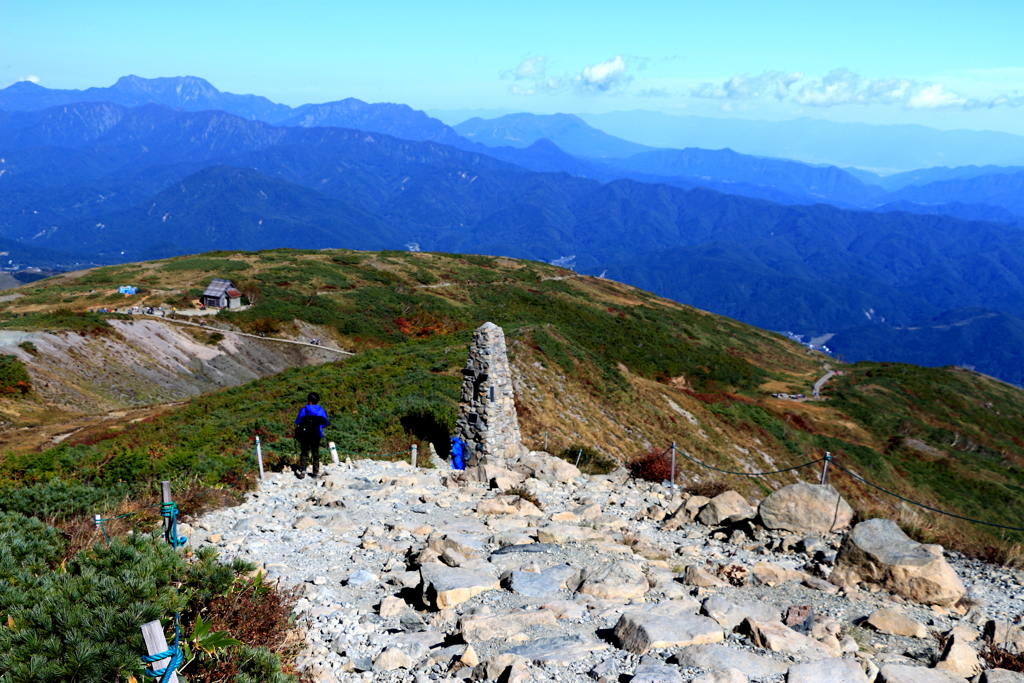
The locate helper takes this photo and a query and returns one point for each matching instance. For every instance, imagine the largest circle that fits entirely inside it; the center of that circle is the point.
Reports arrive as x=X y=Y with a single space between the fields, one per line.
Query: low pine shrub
x=58 y=499
x=14 y=377
x=80 y=620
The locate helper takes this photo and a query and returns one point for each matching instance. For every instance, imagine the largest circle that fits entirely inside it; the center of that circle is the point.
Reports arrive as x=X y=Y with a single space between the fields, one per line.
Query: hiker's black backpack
x=308 y=428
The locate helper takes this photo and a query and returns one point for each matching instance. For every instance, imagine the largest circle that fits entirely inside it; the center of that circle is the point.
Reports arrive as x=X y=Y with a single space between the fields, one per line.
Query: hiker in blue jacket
x=458 y=450
x=309 y=430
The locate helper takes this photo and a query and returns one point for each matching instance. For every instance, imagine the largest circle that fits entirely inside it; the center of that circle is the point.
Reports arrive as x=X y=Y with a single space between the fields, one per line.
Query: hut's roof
x=218 y=288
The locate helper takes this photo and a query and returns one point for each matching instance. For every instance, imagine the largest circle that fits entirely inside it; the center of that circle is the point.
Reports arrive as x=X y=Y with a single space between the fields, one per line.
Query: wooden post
x=259 y=456
x=415 y=453
x=153 y=634
x=334 y=452
x=165 y=493
x=673 y=469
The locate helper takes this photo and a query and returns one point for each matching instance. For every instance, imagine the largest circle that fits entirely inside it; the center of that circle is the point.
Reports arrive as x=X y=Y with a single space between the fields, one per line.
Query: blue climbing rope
x=170 y=512
x=101 y=521
x=173 y=652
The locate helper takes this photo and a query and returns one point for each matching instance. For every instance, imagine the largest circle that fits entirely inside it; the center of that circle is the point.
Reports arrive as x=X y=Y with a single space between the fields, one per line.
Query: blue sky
x=938 y=63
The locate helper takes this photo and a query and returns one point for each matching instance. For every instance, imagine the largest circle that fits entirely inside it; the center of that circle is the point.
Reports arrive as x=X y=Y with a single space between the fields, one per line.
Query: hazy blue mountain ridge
x=1000 y=189
x=152 y=181
x=967 y=212
x=924 y=176
x=187 y=93
x=604 y=157
x=881 y=148
x=568 y=131
x=399 y=120
x=778 y=180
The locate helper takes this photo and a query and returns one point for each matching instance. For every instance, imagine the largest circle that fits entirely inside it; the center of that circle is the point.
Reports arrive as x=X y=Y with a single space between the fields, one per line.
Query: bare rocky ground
x=147 y=361
x=409 y=575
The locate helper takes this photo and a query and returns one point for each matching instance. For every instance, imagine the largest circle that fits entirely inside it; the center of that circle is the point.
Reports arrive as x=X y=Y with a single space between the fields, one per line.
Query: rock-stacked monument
x=487 y=419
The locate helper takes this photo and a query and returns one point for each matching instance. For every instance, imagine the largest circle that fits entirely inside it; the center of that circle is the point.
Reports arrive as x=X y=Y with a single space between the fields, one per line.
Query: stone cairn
x=487 y=420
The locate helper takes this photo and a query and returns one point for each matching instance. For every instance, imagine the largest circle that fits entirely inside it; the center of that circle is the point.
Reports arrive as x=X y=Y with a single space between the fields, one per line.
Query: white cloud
x=842 y=86
x=744 y=86
x=1004 y=100
x=602 y=77
x=30 y=78
x=531 y=67
x=934 y=97
x=605 y=77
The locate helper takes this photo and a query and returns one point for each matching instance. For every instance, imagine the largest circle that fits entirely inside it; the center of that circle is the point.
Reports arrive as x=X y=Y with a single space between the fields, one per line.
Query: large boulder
x=485 y=473
x=726 y=508
x=831 y=670
x=959 y=658
x=730 y=613
x=718 y=657
x=904 y=673
x=895 y=623
x=615 y=581
x=778 y=637
x=806 y=509
x=559 y=650
x=1001 y=676
x=665 y=625
x=475 y=629
x=540 y=465
x=878 y=552
x=445 y=587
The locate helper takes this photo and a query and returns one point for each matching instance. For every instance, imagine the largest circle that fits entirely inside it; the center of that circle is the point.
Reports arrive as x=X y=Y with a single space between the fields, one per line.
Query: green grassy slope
x=600 y=364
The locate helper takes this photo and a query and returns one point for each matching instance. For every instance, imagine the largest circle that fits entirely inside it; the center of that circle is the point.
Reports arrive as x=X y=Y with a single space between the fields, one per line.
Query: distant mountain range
x=130 y=182
x=882 y=149
x=586 y=151
x=569 y=132
x=970 y=192
x=187 y=93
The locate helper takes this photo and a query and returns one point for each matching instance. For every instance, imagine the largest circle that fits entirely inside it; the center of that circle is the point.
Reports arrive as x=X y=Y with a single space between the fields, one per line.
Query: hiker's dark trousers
x=309 y=448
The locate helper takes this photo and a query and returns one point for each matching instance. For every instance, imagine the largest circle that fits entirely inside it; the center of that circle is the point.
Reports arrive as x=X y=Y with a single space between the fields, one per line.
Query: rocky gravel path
x=408 y=575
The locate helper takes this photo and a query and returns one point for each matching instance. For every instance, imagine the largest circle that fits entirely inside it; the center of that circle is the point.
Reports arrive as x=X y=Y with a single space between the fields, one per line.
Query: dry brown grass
x=141 y=514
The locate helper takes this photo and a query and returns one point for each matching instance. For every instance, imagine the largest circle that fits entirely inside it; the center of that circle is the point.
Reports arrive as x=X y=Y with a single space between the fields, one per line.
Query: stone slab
x=664 y=625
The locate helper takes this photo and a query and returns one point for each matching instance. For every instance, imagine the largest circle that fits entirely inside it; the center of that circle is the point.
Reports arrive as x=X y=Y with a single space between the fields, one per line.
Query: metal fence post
x=545 y=442
x=259 y=456
x=415 y=453
x=824 y=468
x=578 y=456
x=673 y=469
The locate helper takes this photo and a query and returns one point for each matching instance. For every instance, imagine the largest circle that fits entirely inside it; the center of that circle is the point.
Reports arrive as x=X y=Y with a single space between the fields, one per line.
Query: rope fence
x=827 y=460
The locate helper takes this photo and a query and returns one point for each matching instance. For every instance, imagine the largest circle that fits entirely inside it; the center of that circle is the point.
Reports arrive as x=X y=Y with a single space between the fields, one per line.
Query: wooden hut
x=216 y=294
